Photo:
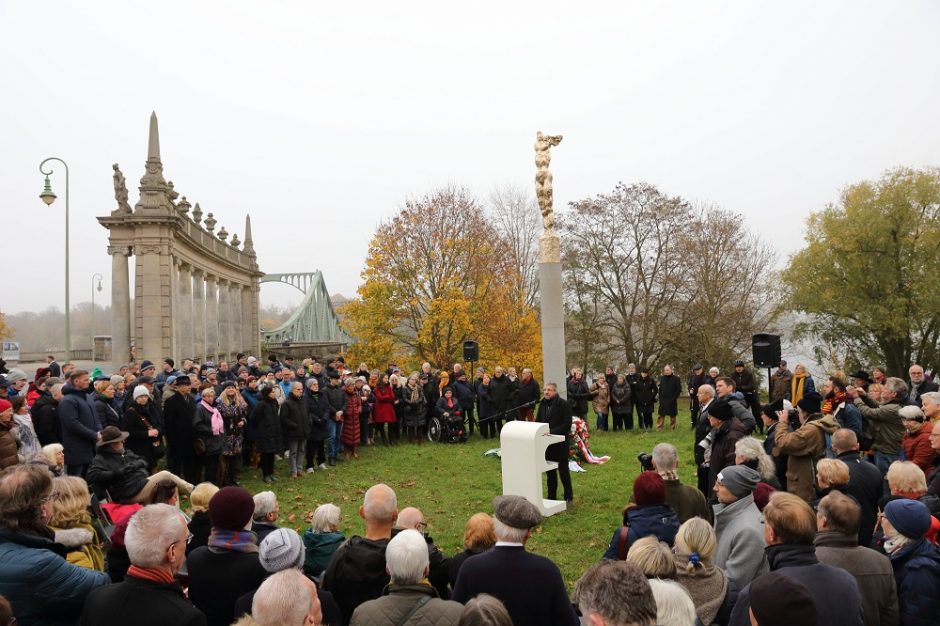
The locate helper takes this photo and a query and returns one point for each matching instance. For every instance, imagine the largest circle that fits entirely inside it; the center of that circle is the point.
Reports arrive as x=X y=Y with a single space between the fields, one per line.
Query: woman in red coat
x=351 y=430
x=384 y=407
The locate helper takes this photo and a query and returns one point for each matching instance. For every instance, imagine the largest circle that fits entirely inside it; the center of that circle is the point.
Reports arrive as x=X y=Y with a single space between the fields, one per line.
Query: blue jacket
x=464 y=394
x=658 y=520
x=917 y=572
x=80 y=426
x=43 y=587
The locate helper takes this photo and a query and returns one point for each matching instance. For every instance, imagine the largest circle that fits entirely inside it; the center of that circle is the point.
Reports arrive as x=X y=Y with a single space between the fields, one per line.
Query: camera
x=646 y=461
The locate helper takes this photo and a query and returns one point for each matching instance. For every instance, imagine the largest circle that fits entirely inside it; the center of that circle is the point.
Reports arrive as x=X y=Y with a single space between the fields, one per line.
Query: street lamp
x=99 y=277
x=48 y=197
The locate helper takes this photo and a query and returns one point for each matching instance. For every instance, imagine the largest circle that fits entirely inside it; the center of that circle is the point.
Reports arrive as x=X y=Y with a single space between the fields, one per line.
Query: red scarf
x=156 y=575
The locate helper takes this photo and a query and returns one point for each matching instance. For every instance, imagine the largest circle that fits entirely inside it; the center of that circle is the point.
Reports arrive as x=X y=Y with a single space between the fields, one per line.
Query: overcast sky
x=321 y=118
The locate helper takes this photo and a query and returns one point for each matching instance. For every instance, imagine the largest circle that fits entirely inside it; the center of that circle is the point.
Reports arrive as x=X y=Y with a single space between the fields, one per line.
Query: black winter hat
x=721 y=410
x=811 y=403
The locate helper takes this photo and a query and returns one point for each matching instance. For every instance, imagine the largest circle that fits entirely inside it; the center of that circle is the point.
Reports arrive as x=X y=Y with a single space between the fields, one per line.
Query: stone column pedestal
x=553 y=312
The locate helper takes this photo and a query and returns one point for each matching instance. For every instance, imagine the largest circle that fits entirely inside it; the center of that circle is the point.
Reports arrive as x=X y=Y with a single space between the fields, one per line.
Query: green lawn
x=450 y=482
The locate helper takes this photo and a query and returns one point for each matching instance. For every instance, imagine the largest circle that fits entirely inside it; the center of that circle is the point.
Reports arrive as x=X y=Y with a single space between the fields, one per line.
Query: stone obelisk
x=550 y=292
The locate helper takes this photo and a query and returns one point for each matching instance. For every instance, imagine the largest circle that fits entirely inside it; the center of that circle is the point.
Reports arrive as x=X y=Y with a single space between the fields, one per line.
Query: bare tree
x=515 y=214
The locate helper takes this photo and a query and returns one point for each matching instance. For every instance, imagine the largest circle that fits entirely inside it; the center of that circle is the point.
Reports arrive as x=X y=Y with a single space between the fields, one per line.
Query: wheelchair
x=447 y=428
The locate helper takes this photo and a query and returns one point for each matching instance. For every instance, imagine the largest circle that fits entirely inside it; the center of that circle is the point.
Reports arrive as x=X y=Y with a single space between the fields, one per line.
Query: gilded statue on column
x=543 y=177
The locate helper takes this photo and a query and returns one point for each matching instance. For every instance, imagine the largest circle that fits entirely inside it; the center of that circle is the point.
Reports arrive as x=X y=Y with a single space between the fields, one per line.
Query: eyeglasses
x=421 y=526
x=189 y=537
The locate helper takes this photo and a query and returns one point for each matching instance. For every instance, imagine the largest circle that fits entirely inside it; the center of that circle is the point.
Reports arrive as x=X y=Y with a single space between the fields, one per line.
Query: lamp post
x=48 y=197
x=99 y=277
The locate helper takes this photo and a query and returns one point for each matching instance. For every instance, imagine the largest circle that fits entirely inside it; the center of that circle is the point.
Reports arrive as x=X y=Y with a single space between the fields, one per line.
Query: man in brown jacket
x=804 y=445
x=408 y=600
x=686 y=501
x=836 y=543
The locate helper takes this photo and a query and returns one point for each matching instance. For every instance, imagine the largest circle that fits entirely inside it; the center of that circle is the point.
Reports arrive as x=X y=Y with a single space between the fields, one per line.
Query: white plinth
x=522 y=446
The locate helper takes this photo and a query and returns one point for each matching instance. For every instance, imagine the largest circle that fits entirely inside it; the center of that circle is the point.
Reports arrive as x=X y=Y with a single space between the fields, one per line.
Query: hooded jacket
x=356 y=573
x=804 y=447
x=319 y=549
x=658 y=520
x=726 y=436
x=402 y=601
x=45 y=414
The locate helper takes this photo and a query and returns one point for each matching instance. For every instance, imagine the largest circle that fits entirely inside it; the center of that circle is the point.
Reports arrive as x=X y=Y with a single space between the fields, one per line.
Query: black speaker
x=471 y=351
x=766 y=350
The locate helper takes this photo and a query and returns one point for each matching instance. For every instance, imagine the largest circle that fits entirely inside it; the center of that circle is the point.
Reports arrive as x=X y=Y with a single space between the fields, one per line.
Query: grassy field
x=450 y=482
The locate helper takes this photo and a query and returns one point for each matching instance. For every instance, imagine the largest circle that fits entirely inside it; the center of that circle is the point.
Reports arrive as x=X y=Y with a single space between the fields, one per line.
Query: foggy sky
x=321 y=119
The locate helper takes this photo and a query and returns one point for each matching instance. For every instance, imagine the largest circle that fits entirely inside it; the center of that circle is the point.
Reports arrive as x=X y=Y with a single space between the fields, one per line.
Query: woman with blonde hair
x=200 y=525
x=800 y=384
x=55 y=458
x=72 y=523
x=706 y=583
x=478 y=537
x=234 y=410
x=653 y=557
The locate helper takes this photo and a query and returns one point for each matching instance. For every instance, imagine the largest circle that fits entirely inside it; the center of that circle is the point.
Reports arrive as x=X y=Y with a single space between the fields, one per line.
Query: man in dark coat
x=790 y=529
x=542 y=600
x=918 y=385
x=556 y=412
x=771 y=424
x=865 y=482
x=80 y=428
x=318 y=412
x=356 y=572
x=670 y=388
x=837 y=545
x=728 y=431
x=705 y=395
x=696 y=380
x=337 y=399
x=178 y=413
x=528 y=395
x=744 y=383
x=500 y=390
x=149 y=595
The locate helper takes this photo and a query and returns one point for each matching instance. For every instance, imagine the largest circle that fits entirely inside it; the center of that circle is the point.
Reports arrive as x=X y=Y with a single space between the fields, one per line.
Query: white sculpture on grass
x=522 y=448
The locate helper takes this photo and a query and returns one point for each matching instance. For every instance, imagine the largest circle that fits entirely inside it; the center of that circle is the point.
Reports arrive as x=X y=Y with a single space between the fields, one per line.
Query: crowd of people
x=831 y=518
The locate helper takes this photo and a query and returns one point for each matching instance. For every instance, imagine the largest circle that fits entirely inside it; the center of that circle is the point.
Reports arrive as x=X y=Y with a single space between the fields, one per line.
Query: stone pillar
x=553 y=312
x=153 y=302
x=247 y=337
x=120 y=308
x=237 y=343
x=212 y=318
x=199 y=314
x=225 y=324
x=184 y=310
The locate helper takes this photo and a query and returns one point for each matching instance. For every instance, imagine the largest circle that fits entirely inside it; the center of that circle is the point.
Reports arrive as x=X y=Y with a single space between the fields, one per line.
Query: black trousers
x=316 y=448
x=267 y=464
x=552 y=476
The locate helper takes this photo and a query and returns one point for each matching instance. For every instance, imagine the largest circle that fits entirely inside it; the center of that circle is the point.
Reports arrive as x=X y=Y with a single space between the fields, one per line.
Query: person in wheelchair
x=449 y=415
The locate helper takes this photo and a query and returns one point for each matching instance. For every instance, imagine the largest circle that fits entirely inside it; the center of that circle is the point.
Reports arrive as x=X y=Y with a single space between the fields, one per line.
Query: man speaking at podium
x=556 y=412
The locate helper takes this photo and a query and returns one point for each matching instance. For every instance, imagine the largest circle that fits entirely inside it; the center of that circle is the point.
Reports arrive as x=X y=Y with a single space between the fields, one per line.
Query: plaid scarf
x=233 y=540
x=830 y=404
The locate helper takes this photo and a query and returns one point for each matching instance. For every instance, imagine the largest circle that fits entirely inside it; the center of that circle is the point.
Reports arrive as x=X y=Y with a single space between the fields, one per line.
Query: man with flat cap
x=529 y=585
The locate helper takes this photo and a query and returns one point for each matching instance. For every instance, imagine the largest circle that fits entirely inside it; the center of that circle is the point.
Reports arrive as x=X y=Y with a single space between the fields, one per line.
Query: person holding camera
x=805 y=444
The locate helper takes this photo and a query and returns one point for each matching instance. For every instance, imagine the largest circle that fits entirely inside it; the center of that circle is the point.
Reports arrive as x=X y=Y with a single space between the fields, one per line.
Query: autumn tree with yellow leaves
x=438 y=274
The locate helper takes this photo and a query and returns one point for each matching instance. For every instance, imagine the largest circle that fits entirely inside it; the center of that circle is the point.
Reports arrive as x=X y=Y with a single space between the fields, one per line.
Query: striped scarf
x=829 y=404
x=233 y=540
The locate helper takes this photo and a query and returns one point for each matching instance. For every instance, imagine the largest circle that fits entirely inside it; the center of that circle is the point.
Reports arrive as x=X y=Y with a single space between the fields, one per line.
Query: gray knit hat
x=281 y=549
x=740 y=480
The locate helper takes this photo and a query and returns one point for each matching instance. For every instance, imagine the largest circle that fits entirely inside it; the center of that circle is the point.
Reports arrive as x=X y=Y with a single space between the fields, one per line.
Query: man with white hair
x=930 y=404
x=918 y=385
x=266 y=512
x=287 y=598
x=529 y=585
x=356 y=572
x=408 y=600
x=687 y=502
x=156 y=540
